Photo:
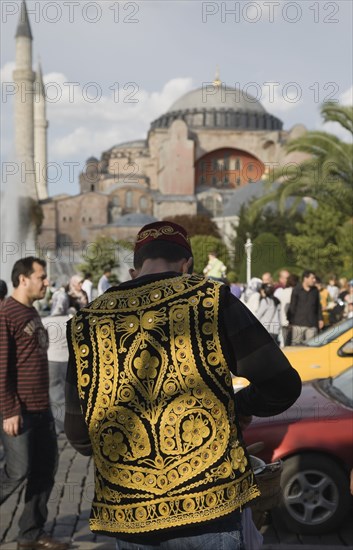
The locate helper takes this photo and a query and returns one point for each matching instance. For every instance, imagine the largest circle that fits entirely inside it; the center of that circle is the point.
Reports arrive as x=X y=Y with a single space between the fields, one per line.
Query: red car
x=314 y=438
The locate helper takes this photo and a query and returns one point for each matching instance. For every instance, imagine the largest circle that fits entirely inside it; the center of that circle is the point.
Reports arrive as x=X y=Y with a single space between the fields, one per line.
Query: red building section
x=227 y=168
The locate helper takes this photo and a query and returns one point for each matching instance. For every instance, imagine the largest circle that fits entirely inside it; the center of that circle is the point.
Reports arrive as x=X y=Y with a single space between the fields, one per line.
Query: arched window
x=128 y=199
x=143 y=202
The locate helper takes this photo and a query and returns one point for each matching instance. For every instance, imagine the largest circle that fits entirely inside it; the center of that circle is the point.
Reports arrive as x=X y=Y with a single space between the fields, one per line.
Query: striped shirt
x=24 y=376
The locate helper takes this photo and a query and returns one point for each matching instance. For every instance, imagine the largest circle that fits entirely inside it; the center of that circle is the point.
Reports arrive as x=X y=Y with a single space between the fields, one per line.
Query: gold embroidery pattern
x=161 y=423
x=164 y=513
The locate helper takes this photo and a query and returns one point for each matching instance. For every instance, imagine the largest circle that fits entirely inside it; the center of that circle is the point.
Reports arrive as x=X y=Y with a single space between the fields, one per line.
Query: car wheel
x=316 y=495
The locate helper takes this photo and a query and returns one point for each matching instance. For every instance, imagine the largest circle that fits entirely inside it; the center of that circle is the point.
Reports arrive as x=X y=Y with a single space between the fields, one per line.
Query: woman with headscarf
x=251 y=296
x=77 y=297
x=58 y=353
x=268 y=310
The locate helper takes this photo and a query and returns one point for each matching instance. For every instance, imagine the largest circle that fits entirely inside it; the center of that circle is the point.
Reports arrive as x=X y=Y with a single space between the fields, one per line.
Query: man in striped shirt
x=26 y=421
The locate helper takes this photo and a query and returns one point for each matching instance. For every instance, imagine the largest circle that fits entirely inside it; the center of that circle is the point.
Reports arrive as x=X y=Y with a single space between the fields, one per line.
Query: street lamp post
x=248 y=250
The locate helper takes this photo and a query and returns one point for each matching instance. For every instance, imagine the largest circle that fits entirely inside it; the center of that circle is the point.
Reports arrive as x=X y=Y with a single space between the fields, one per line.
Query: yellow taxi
x=327 y=354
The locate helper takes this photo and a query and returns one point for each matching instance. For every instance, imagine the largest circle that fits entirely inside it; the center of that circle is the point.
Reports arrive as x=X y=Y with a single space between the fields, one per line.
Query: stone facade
x=176 y=170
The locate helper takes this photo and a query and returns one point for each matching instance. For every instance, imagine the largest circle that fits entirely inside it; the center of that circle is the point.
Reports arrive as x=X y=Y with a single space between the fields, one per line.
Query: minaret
x=24 y=121
x=40 y=136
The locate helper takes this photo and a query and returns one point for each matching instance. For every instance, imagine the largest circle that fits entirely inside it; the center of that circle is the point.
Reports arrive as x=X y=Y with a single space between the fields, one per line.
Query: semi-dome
x=134 y=144
x=219 y=106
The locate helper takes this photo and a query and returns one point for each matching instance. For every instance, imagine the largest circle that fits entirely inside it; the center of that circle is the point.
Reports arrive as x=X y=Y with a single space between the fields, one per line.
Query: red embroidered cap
x=162 y=231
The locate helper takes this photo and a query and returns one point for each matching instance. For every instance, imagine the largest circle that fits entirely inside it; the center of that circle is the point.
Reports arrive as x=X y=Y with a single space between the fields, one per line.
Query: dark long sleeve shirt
x=305 y=307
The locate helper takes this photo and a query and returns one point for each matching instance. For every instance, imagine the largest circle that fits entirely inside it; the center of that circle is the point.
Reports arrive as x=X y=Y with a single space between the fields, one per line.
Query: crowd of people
x=294 y=309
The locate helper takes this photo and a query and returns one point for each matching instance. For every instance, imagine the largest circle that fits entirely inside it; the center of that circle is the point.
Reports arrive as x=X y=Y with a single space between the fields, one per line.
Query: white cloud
x=83 y=142
x=80 y=127
x=346 y=98
x=277 y=98
x=91 y=127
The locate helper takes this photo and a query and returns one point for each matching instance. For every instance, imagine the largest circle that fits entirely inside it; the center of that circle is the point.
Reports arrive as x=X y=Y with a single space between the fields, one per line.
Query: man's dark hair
x=24 y=266
x=164 y=250
x=87 y=275
x=292 y=280
x=306 y=273
x=3 y=289
x=107 y=269
x=268 y=289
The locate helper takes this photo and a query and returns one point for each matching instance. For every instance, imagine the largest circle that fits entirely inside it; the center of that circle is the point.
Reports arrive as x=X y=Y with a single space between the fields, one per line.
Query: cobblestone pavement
x=69 y=508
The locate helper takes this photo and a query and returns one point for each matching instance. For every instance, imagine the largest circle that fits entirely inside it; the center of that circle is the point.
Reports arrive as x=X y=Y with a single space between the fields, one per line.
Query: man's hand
x=321 y=325
x=12 y=426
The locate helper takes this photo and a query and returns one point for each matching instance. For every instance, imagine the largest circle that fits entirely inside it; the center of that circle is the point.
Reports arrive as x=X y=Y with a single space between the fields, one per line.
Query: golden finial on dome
x=217 y=81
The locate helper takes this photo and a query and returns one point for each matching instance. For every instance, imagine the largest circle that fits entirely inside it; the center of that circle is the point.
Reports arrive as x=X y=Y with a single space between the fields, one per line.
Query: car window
x=330 y=334
x=340 y=387
x=347 y=349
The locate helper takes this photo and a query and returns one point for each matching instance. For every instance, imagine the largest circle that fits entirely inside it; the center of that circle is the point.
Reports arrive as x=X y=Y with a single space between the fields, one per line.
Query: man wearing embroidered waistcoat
x=149 y=393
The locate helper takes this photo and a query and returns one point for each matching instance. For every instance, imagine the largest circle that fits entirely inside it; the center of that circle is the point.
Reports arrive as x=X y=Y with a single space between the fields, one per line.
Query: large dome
x=221 y=107
x=218 y=97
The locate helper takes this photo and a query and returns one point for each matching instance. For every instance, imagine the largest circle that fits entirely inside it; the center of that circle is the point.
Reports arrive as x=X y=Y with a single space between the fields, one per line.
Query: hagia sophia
x=209 y=153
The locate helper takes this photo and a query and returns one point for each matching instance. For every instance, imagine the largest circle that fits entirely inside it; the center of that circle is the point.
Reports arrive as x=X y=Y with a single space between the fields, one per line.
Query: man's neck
x=21 y=297
x=151 y=267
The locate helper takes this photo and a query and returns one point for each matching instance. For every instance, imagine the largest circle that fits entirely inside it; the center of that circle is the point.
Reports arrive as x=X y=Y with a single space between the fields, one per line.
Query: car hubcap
x=311 y=497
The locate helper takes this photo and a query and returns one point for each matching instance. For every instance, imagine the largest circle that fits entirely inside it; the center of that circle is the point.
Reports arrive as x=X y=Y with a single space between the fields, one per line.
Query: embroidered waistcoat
x=158 y=401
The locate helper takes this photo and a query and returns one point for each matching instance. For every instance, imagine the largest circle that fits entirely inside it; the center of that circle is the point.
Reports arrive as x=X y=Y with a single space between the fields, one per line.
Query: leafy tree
x=344 y=238
x=200 y=224
x=324 y=243
x=327 y=173
x=202 y=245
x=99 y=254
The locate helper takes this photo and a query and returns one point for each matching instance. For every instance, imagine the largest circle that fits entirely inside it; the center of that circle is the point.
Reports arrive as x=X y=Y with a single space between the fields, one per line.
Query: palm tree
x=326 y=175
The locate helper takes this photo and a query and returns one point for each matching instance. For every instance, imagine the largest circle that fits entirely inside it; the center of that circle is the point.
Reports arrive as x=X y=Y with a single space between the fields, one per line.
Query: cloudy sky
x=111 y=67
